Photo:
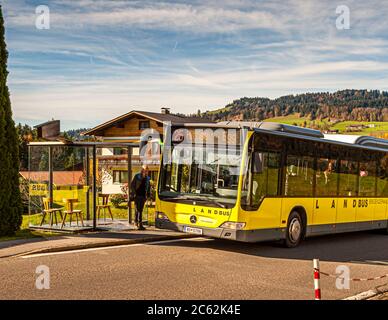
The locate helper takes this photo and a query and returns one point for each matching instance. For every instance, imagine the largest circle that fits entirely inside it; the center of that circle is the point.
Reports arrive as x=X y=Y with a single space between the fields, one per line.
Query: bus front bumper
x=223 y=233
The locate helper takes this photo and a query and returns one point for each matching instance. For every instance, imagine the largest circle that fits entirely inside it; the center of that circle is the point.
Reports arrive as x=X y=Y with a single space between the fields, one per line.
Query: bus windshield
x=207 y=175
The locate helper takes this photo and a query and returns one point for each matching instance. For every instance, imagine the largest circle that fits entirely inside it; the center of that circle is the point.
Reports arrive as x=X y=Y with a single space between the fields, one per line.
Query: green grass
x=218 y=110
x=25 y=233
x=380 y=129
x=290 y=119
x=295 y=119
x=29 y=234
x=122 y=213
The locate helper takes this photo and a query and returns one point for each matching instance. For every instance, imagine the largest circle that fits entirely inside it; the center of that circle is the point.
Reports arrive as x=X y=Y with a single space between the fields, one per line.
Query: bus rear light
x=233 y=225
x=161 y=216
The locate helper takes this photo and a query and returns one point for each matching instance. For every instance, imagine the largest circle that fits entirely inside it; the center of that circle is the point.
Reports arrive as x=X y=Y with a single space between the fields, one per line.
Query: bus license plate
x=192 y=230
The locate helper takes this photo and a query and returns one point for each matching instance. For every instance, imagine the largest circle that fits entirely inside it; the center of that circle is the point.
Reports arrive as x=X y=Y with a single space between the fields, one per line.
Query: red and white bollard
x=317 y=287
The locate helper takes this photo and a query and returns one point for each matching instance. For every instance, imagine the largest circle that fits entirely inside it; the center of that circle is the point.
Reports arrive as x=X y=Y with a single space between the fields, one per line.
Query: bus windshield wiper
x=205 y=199
x=217 y=203
x=193 y=198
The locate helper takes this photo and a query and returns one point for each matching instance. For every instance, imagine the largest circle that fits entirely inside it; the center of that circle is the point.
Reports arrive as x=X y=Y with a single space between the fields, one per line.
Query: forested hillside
x=345 y=105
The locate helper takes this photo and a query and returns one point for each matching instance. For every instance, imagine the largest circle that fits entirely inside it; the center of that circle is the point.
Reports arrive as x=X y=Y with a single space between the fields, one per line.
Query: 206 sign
x=38 y=189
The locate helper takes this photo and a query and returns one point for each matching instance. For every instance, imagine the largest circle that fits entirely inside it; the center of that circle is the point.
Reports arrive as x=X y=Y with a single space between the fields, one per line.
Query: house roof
x=159 y=117
x=60 y=178
x=46 y=123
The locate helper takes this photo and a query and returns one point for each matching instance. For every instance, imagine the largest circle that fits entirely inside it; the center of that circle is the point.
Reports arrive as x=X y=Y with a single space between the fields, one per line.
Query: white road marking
x=381 y=263
x=29 y=256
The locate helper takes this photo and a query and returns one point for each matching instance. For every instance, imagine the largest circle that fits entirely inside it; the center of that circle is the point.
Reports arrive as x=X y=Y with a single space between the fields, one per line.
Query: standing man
x=140 y=191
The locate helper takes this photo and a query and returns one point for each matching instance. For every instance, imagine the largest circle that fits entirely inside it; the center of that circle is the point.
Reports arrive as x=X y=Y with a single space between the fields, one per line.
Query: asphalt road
x=199 y=269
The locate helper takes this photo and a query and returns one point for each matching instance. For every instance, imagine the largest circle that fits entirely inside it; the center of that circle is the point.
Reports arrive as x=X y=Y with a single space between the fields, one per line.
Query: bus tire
x=294 y=231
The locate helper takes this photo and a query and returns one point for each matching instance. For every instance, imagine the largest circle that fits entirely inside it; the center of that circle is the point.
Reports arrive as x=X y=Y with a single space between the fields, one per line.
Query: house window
x=144 y=125
x=120 y=176
x=119 y=151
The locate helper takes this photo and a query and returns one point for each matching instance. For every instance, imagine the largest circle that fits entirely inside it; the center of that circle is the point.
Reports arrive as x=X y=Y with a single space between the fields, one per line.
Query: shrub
x=118 y=199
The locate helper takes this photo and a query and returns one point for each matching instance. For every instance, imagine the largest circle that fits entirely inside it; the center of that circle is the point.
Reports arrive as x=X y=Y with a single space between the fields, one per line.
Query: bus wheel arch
x=296 y=227
x=303 y=215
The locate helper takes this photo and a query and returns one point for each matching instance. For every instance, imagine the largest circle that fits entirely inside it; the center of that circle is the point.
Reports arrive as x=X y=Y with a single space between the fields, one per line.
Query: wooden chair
x=51 y=212
x=103 y=205
x=69 y=204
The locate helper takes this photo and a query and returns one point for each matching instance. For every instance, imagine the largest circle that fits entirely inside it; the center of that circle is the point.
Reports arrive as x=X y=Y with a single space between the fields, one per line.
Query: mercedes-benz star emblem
x=193 y=219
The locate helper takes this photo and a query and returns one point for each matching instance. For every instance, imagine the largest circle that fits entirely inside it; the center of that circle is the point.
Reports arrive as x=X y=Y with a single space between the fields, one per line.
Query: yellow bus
x=266 y=181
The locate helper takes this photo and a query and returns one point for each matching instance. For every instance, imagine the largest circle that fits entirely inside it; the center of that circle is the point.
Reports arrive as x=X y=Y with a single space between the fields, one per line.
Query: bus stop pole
x=87 y=182
x=94 y=187
x=129 y=168
x=50 y=168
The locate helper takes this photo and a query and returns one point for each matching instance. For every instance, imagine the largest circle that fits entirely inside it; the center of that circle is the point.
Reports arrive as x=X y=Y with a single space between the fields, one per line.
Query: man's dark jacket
x=136 y=182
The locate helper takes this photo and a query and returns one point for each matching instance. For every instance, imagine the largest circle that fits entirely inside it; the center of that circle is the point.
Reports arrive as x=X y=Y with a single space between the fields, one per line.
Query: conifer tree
x=10 y=201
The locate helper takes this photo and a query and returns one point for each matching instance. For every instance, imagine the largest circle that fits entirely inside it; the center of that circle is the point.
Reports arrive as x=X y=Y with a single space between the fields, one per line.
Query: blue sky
x=100 y=59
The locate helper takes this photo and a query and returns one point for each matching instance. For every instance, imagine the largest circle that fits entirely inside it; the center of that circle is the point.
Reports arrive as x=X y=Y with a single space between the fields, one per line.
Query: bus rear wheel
x=294 y=232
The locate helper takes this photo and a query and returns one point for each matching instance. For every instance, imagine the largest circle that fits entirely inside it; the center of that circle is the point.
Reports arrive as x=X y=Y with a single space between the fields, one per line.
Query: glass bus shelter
x=79 y=186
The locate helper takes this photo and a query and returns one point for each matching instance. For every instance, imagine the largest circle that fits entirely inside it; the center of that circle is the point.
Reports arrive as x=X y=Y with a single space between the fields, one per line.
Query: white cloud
x=103 y=58
x=106 y=98
x=156 y=15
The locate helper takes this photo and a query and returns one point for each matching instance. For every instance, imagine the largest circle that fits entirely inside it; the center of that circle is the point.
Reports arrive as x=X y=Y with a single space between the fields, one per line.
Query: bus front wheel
x=294 y=233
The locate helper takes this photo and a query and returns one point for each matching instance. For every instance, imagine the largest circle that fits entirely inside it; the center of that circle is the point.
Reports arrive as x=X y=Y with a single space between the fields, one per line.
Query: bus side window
x=299 y=176
x=326 y=177
x=367 y=179
x=261 y=179
x=348 y=178
x=382 y=177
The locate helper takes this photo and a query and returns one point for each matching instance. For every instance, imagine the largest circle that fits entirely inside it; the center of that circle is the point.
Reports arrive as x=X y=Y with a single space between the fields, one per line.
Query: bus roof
x=359 y=140
x=366 y=142
x=271 y=126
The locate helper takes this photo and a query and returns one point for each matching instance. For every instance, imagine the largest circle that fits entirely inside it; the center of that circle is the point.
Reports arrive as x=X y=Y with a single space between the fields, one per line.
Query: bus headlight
x=233 y=225
x=161 y=216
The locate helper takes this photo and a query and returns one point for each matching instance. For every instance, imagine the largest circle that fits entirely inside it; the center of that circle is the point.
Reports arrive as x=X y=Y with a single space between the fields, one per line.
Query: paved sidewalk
x=82 y=241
